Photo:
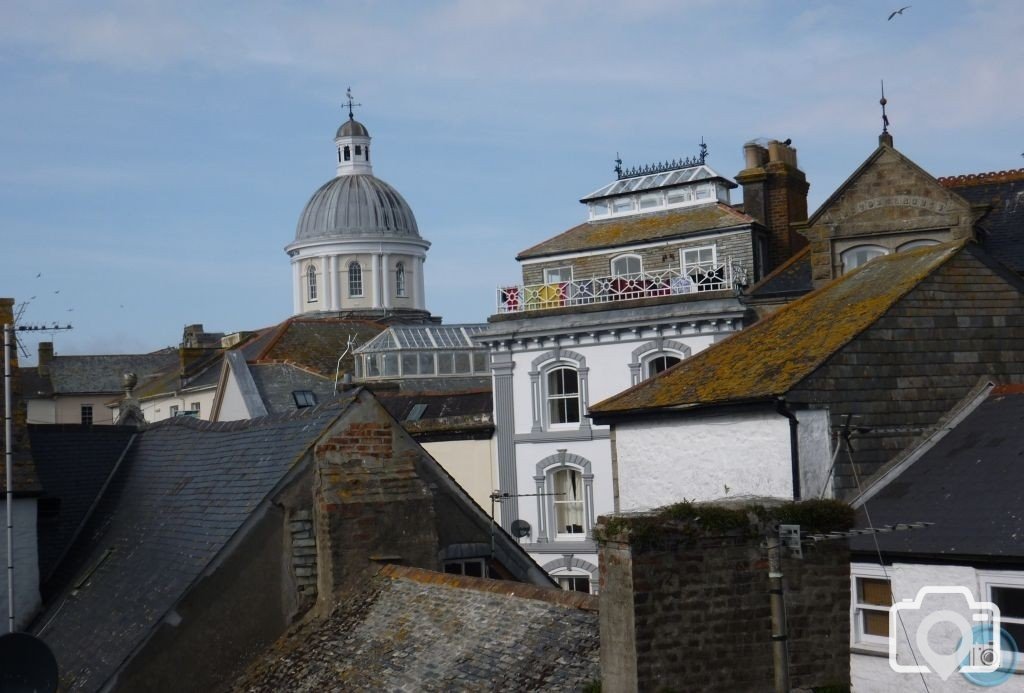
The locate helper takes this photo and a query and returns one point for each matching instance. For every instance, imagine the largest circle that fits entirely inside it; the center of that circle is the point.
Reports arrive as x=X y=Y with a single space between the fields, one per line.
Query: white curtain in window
x=568 y=485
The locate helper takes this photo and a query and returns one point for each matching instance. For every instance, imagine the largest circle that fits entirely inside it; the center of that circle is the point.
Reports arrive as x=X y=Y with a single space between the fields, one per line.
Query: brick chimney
x=45 y=357
x=775 y=194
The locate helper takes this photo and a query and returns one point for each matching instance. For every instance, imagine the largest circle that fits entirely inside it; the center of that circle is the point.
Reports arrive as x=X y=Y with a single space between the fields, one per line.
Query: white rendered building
x=648 y=280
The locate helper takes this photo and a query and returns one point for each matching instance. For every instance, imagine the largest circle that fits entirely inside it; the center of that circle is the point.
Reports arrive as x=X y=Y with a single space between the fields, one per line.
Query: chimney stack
x=775 y=194
x=45 y=357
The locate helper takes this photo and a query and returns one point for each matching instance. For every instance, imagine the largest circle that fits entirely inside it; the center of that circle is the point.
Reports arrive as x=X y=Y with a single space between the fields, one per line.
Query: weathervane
x=885 y=118
x=351 y=104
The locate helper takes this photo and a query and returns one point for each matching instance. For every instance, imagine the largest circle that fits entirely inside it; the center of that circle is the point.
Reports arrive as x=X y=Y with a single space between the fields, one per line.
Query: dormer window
x=599 y=209
x=627 y=266
x=679 y=195
x=649 y=201
x=620 y=206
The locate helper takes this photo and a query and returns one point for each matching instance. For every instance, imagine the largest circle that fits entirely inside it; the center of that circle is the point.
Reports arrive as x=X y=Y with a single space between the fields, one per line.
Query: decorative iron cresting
x=662 y=166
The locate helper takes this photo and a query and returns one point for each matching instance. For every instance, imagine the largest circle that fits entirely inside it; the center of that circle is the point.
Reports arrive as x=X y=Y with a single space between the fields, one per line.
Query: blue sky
x=156 y=156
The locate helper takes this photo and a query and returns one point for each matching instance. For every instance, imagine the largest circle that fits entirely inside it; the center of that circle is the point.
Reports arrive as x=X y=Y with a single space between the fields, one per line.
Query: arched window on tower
x=348 y=153
x=367 y=153
x=400 y=279
x=355 y=279
x=311 y=283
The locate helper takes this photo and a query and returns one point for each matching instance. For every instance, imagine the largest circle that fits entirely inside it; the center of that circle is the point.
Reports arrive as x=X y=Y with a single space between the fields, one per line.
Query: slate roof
x=412 y=629
x=74 y=463
x=638 y=228
x=276 y=382
x=184 y=490
x=970 y=484
x=770 y=357
x=792 y=278
x=1002 y=228
x=452 y=412
x=74 y=374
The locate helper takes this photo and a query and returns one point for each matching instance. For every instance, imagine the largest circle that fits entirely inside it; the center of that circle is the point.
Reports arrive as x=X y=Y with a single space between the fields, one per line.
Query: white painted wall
x=814 y=442
x=471 y=463
x=42 y=411
x=159 y=408
x=703 y=458
x=26 y=564
x=872 y=673
x=232 y=405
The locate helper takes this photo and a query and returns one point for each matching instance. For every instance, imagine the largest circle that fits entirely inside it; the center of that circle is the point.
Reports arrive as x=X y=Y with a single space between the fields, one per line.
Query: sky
x=155 y=156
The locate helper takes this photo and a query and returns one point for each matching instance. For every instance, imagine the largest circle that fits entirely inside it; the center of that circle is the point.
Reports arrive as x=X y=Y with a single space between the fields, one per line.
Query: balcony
x=583 y=292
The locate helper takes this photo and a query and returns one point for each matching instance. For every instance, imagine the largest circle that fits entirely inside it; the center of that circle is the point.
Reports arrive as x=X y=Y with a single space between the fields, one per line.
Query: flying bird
x=899 y=11
x=57 y=291
x=39 y=275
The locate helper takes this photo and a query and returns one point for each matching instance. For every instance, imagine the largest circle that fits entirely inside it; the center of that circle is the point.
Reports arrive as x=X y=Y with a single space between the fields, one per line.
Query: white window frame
x=355 y=279
x=400 y=283
x=547 y=396
x=577 y=574
x=848 y=253
x=858 y=638
x=173 y=410
x=986 y=581
x=706 y=266
x=649 y=359
x=82 y=409
x=463 y=562
x=916 y=243
x=581 y=500
x=311 y=287
x=549 y=280
x=627 y=257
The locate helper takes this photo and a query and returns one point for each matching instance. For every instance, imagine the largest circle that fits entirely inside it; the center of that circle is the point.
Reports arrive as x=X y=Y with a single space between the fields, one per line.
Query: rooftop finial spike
x=618 y=165
x=350 y=103
x=885 y=118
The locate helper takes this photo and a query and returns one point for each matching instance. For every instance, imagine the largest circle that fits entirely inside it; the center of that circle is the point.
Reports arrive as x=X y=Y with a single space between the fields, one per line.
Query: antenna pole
x=9 y=469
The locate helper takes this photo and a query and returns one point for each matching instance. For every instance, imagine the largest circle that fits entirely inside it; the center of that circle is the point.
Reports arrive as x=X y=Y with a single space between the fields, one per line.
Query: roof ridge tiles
x=965 y=179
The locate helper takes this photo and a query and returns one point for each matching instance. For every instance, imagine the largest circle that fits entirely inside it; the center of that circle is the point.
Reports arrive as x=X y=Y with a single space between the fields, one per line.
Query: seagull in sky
x=899 y=11
x=39 y=275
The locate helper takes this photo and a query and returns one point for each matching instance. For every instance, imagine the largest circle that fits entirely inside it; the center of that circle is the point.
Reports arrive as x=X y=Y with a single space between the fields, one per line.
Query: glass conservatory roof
x=397 y=338
x=652 y=181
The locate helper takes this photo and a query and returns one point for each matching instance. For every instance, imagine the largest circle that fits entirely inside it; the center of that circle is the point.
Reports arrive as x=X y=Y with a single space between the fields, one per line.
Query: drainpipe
x=794 y=446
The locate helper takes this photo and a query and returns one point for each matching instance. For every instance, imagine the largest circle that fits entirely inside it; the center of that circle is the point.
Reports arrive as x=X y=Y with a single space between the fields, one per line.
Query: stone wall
x=684 y=610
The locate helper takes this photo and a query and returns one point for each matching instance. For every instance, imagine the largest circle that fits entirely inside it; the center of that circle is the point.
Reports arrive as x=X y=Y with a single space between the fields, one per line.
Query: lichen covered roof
x=770 y=357
x=412 y=629
x=791 y=277
x=609 y=233
x=316 y=344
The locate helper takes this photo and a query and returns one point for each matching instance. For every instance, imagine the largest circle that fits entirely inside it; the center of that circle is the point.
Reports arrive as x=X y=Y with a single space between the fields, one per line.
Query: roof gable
x=768 y=358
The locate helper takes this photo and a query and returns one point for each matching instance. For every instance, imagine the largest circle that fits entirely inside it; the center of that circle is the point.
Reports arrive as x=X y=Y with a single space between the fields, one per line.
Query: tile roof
x=411 y=629
x=770 y=357
x=970 y=484
x=73 y=374
x=1002 y=228
x=791 y=277
x=184 y=490
x=74 y=463
x=638 y=228
x=455 y=412
x=316 y=343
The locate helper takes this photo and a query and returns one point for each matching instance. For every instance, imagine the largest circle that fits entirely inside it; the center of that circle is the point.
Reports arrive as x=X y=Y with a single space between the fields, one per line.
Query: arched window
x=627 y=266
x=355 y=279
x=860 y=254
x=567 y=485
x=348 y=153
x=400 y=279
x=311 y=283
x=367 y=153
x=660 y=363
x=919 y=243
x=563 y=396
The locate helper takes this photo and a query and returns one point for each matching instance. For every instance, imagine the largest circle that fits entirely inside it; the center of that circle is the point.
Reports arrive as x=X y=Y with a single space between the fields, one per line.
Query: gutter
x=794 y=446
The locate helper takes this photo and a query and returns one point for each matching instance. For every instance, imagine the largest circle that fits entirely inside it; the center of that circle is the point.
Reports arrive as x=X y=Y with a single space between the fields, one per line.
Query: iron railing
x=579 y=292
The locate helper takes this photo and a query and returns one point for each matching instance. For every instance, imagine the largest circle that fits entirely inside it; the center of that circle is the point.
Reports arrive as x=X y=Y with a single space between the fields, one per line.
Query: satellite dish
x=520 y=529
x=26 y=665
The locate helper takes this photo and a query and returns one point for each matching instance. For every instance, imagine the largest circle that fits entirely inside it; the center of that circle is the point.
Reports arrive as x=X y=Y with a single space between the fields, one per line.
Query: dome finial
x=351 y=103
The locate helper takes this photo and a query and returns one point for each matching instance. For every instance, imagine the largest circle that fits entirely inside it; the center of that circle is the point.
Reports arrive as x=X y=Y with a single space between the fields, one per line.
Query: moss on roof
x=609 y=233
x=770 y=357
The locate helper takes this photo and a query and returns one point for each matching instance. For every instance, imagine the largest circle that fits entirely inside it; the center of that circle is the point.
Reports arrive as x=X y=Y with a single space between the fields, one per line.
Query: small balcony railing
x=581 y=292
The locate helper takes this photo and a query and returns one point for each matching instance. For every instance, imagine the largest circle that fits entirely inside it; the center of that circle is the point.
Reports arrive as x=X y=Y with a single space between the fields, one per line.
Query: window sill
x=870 y=650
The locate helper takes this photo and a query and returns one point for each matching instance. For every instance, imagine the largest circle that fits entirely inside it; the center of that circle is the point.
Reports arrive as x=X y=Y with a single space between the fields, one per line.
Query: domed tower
x=357 y=246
